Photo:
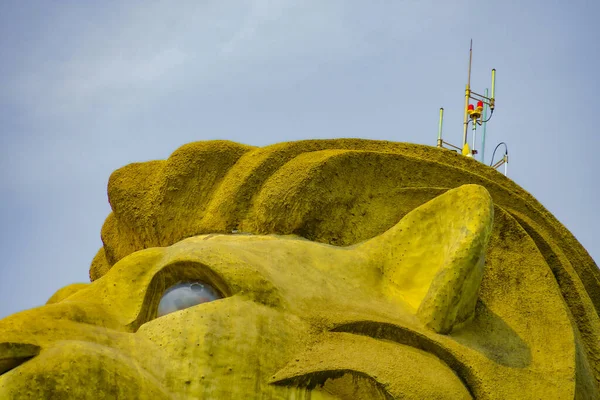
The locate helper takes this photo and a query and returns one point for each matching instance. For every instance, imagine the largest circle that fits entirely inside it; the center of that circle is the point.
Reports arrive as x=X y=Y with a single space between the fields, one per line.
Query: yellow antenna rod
x=467 y=95
x=492 y=100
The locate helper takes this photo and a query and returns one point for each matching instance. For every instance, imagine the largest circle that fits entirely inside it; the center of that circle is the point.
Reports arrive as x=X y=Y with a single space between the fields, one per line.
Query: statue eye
x=184 y=295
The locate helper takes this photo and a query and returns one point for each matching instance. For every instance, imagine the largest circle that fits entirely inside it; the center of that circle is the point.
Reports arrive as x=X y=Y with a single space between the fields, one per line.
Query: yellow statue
x=325 y=269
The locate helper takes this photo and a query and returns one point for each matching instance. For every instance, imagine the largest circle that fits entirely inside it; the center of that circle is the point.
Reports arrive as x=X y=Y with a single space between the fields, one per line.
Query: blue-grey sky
x=89 y=86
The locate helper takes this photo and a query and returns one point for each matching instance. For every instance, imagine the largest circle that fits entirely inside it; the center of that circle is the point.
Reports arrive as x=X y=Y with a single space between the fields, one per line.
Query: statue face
x=455 y=301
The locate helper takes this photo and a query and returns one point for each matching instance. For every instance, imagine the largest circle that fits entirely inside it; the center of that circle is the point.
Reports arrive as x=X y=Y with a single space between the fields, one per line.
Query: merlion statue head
x=325 y=269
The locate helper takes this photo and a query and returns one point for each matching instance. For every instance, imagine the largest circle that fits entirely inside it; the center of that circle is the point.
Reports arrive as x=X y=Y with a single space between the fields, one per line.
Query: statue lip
x=320 y=361
x=404 y=336
x=14 y=354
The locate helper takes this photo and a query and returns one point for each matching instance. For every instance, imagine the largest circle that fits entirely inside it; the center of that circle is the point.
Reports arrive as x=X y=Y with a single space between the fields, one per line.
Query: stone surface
x=347 y=269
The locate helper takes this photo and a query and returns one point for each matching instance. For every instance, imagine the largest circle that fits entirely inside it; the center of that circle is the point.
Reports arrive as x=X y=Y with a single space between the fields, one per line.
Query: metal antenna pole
x=470 y=60
x=474 y=138
x=493 y=88
x=467 y=95
x=485 y=108
x=439 y=140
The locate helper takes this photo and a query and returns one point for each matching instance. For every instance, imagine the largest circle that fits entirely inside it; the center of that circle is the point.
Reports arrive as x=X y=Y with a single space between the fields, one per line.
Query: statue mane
x=338 y=191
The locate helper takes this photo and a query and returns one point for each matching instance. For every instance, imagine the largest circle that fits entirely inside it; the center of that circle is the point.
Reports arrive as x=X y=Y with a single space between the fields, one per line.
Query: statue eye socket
x=184 y=295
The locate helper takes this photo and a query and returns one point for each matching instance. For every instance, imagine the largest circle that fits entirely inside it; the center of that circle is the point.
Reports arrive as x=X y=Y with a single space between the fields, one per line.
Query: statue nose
x=14 y=354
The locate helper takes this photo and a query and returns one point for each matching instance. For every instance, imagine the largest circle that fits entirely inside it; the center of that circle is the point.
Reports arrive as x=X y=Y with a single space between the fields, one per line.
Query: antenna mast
x=474 y=115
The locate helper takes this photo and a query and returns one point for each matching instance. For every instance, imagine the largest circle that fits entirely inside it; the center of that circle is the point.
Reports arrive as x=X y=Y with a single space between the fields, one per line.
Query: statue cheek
x=226 y=348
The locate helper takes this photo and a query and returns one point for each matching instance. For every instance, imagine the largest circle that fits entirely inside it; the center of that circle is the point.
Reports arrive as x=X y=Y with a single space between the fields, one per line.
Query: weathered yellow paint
x=348 y=269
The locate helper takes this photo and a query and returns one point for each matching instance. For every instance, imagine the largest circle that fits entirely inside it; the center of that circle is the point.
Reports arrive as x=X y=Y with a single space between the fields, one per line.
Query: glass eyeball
x=185 y=295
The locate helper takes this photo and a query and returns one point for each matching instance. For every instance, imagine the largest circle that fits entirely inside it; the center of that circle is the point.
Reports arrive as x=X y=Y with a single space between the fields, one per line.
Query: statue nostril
x=14 y=354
